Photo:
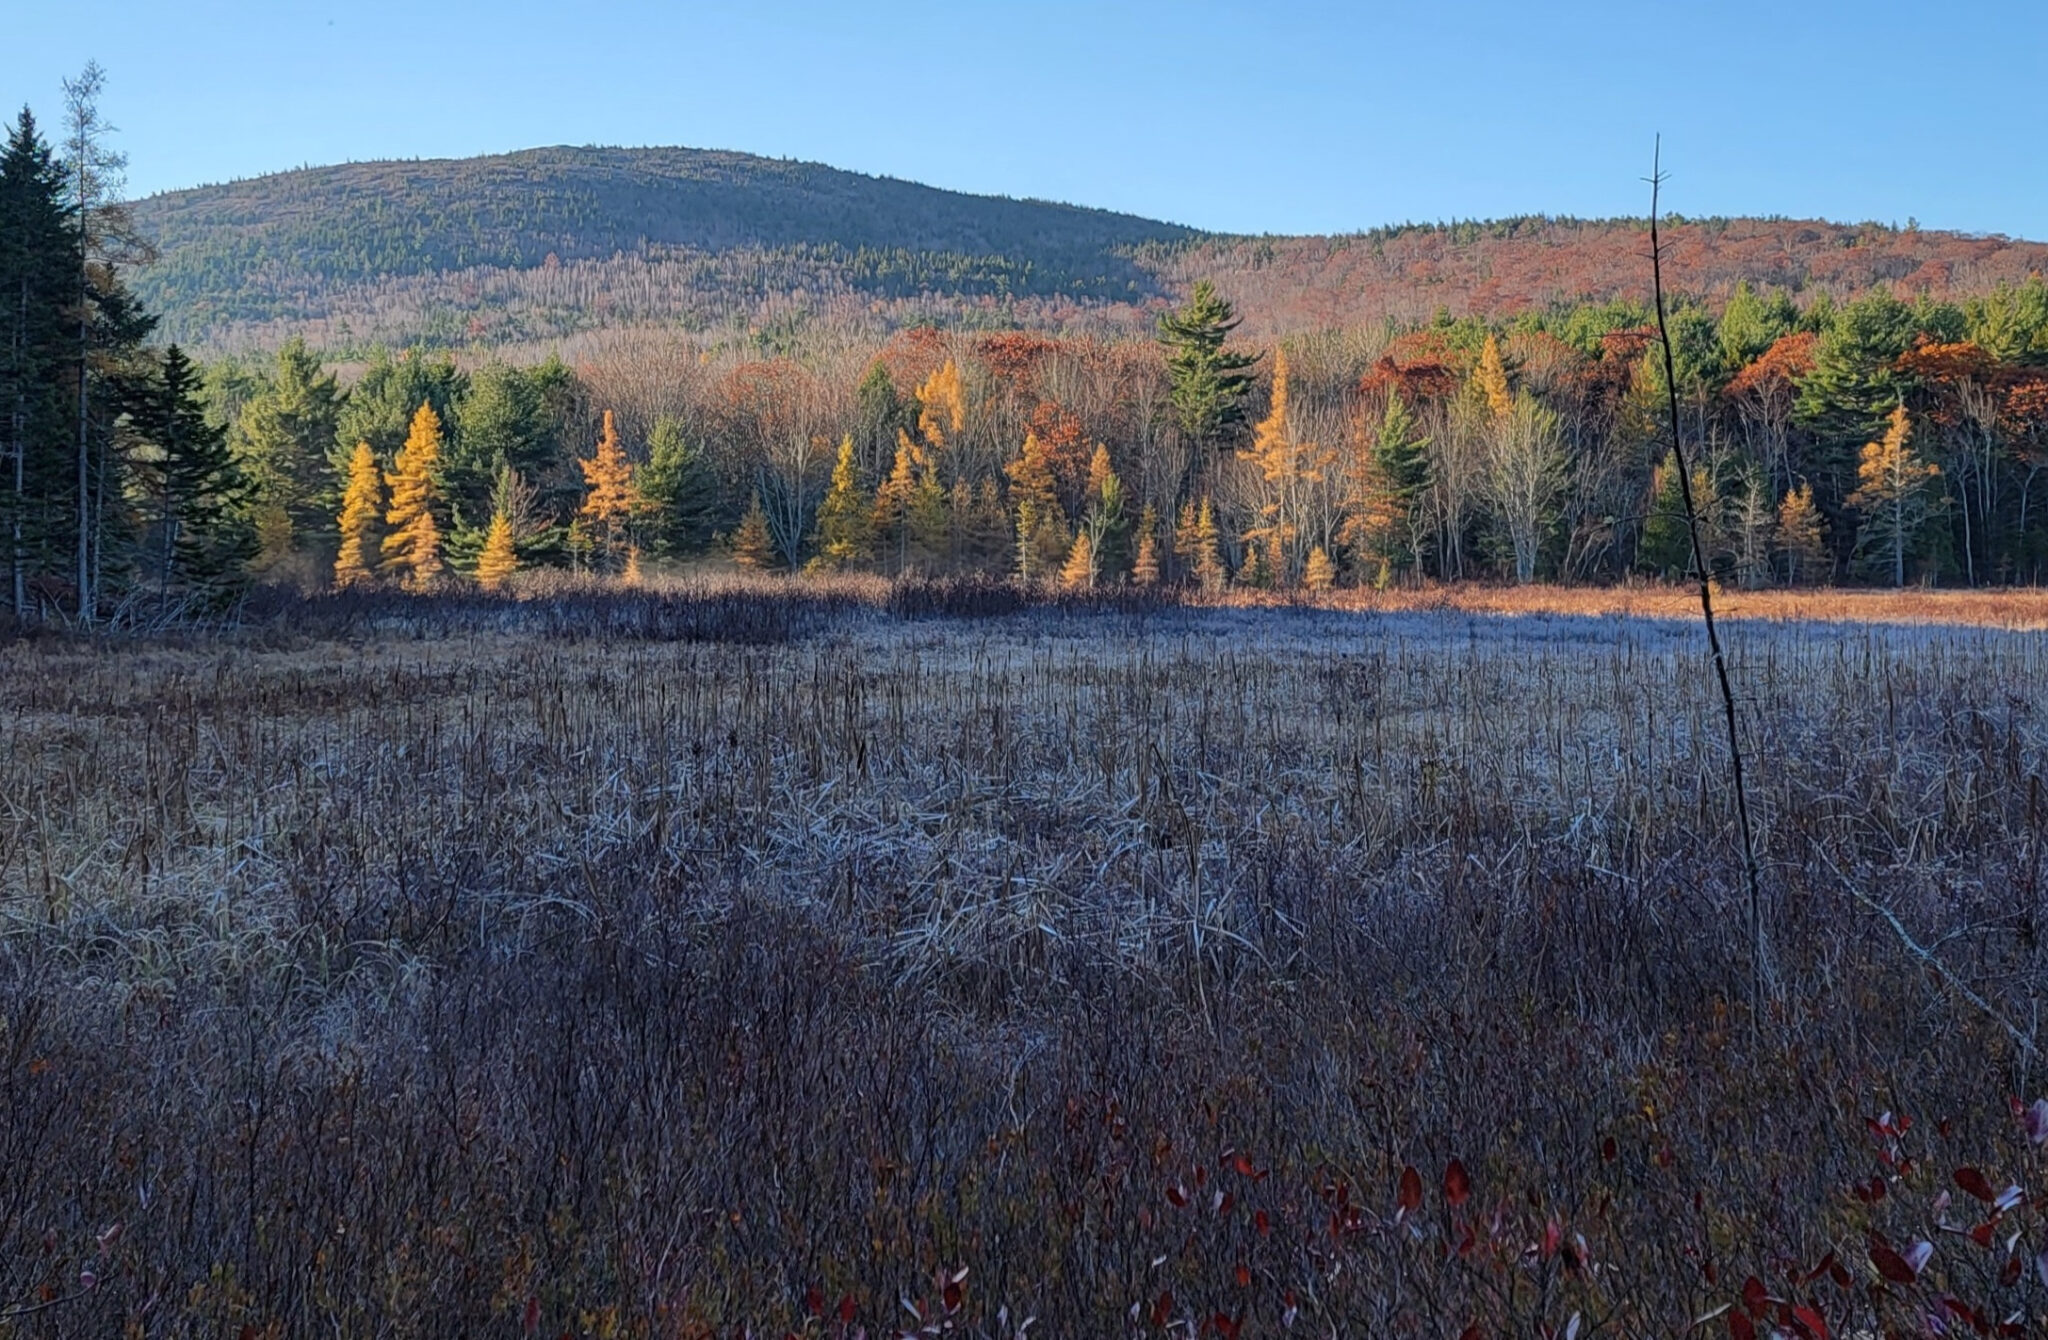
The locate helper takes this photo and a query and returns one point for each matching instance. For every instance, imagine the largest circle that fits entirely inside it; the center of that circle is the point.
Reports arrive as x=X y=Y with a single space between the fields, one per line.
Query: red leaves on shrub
x=1890 y=1264
x=1740 y=1327
x=1974 y=1182
x=1177 y=1196
x=1226 y=1326
x=1409 y=1197
x=1457 y=1184
x=1810 y=1322
x=1243 y=1275
x=1754 y=1296
x=1262 y=1222
x=814 y=1302
x=1871 y=1192
x=1609 y=1150
x=846 y=1309
x=1162 y=1310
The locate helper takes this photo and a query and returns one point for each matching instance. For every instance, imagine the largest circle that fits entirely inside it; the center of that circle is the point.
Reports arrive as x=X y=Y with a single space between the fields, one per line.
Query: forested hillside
x=320 y=242
x=531 y=248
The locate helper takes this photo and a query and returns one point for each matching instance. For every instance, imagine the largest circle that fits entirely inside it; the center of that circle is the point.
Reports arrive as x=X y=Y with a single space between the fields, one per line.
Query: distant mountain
x=295 y=246
x=545 y=244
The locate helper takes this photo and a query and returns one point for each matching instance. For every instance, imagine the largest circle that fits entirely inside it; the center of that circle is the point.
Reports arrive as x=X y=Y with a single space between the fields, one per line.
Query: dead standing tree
x=1759 y=965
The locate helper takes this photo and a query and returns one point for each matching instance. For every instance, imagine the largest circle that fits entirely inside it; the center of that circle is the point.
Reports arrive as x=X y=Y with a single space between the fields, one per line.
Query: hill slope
x=539 y=245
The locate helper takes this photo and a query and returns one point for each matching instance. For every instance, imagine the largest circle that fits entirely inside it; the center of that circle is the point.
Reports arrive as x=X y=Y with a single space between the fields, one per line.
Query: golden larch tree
x=1491 y=377
x=500 y=558
x=1893 y=488
x=1800 y=537
x=1319 y=574
x=362 y=500
x=1145 y=566
x=845 y=528
x=614 y=498
x=412 y=542
x=942 y=405
x=1079 y=570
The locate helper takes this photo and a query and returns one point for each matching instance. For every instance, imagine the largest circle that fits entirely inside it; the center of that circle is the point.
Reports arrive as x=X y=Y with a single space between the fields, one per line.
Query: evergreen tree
x=845 y=532
x=284 y=437
x=1209 y=382
x=362 y=506
x=681 y=492
x=1665 y=547
x=1384 y=523
x=879 y=412
x=39 y=263
x=382 y=404
x=412 y=541
x=198 y=538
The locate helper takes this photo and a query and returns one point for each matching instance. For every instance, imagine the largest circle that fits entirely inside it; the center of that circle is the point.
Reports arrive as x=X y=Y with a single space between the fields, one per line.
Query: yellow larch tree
x=1145 y=566
x=942 y=405
x=362 y=500
x=412 y=542
x=500 y=558
x=1079 y=570
x=1041 y=523
x=1293 y=488
x=1893 y=487
x=614 y=498
x=1319 y=574
x=1491 y=377
x=1800 y=537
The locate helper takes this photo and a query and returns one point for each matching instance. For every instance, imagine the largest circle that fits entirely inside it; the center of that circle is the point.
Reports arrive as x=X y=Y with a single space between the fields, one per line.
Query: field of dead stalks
x=833 y=964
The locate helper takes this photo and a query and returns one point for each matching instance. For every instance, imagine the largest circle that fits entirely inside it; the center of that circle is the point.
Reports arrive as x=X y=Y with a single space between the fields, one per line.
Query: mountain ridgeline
x=278 y=246
x=536 y=247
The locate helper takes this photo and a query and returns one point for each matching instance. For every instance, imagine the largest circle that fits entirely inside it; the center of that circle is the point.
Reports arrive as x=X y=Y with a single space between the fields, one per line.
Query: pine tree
x=1801 y=538
x=1665 y=547
x=1209 y=382
x=1319 y=574
x=39 y=264
x=681 y=492
x=1383 y=521
x=362 y=504
x=1078 y=572
x=845 y=530
x=412 y=540
x=753 y=548
x=878 y=409
x=613 y=500
x=1893 y=486
x=196 y=491
x=500 y=558
x=1145 y=567
x=284 y=434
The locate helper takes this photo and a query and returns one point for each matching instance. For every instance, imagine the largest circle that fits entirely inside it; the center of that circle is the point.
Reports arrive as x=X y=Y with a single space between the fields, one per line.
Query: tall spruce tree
x=39 y=263
x=196 y=534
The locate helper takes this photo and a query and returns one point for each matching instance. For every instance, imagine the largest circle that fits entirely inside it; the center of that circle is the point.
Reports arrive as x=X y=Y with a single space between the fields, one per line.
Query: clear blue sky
x=1310 y=117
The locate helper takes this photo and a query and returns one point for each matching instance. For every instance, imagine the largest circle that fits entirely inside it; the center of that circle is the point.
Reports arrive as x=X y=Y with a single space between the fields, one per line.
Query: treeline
x=1880 y=440
x=116 y=482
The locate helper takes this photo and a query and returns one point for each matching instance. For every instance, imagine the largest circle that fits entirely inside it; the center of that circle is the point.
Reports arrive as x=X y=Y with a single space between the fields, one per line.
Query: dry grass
x=681 y=962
